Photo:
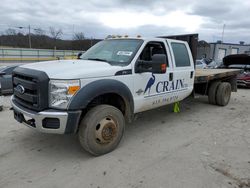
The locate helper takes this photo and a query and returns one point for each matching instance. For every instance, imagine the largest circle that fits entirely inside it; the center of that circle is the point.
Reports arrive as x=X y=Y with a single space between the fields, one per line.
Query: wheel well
x=112 y=99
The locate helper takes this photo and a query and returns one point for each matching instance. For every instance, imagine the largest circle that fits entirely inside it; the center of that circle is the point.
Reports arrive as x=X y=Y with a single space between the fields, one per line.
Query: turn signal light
x=73 y=89
x=163 y=67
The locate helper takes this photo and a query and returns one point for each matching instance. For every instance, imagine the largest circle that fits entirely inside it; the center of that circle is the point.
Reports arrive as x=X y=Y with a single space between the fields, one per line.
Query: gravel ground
x=203 y=146
x=5 y=101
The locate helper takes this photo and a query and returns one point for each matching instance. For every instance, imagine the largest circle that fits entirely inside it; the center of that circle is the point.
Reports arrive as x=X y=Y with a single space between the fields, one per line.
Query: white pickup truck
x=115 y=79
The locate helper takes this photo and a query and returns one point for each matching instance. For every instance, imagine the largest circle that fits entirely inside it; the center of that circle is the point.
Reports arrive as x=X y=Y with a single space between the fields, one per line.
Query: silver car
x=200 y=64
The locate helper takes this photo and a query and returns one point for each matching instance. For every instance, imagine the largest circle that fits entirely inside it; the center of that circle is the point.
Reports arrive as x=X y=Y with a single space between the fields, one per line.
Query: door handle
x=171 y=75
x=191 y=74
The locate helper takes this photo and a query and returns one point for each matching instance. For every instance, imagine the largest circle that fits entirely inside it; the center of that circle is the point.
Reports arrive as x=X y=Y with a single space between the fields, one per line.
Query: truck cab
x=95 y=95
x=174 y=82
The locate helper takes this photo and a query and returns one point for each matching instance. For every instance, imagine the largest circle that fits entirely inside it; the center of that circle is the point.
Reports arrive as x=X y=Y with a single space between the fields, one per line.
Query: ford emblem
x=20 y=89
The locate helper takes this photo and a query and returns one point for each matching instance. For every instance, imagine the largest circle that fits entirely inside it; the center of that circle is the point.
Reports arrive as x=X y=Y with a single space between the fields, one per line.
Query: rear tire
x=212 y=92
x=101 y=129
x=223 y=94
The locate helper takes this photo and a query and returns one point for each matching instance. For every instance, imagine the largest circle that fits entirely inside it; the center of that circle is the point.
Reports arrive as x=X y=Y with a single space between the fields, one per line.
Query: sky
x=148 y=18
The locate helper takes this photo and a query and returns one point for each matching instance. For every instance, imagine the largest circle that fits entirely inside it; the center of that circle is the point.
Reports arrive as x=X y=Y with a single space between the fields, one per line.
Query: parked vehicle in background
x=199 y=64
x=207 y=60
x=207 y=63
x=6 y=85
x=214 y=65
x=239 y=61
x=243 y=79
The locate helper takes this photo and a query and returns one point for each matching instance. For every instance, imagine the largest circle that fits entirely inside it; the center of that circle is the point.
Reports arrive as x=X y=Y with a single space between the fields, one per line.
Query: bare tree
x=79 y=36
x=56 y=34
x=39 y=32
x=10 y=32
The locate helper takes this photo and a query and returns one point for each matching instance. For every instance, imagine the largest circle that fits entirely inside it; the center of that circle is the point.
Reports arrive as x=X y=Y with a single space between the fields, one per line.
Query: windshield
x=114 y=51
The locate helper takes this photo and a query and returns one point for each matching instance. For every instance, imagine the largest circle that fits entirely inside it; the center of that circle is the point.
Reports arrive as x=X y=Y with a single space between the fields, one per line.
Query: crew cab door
x=183 y=66
x=151 y=89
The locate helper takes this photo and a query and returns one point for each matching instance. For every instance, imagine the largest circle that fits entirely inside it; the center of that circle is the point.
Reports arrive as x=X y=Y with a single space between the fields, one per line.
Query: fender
x=94 y=89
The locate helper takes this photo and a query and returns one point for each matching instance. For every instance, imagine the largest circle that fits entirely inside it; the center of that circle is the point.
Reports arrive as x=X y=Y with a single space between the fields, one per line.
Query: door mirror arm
x=143 y=66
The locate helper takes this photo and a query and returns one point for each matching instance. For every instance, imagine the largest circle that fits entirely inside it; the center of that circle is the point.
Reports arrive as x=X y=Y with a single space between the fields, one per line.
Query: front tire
x=101 y=129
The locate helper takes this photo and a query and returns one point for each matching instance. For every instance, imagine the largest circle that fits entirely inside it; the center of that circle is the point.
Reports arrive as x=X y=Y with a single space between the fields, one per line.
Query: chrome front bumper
x=35 y=120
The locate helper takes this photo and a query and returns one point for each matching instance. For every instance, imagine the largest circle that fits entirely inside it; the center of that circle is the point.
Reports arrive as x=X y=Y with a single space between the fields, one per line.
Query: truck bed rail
x=206 y=75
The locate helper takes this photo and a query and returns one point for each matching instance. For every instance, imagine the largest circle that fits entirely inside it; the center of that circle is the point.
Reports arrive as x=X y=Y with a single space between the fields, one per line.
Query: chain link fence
x=25 y=55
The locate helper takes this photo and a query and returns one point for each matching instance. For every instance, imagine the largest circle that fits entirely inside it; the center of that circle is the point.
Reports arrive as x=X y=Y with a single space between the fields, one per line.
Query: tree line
x=40 y=39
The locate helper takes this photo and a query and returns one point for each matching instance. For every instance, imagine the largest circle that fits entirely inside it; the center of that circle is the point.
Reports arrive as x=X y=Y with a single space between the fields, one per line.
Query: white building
x=217 y=51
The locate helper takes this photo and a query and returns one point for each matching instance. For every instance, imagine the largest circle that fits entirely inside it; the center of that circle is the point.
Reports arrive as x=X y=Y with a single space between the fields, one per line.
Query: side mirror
x=159 y=63
x=79 y=55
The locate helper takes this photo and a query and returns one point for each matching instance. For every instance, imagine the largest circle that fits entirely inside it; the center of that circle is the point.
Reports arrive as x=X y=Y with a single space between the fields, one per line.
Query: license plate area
x=24 y=119
x=18 y=116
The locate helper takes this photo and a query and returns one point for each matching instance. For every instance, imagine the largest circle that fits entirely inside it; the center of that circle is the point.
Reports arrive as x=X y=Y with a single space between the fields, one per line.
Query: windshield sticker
x=124 y=53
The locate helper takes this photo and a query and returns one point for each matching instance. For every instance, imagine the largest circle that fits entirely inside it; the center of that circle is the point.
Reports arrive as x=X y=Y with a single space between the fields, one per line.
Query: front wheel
x=101 y=129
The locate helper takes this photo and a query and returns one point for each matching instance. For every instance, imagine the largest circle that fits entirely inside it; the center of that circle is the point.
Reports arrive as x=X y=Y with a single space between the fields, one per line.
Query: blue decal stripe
x=165 y=93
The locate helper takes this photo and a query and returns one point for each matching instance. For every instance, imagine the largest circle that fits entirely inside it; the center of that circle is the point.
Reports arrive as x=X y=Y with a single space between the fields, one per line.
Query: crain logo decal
x=150 y=84
x=20 y=89
x=163 y=87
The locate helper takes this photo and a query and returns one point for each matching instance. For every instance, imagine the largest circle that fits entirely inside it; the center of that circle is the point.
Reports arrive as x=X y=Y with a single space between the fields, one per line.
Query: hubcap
x=106 y=131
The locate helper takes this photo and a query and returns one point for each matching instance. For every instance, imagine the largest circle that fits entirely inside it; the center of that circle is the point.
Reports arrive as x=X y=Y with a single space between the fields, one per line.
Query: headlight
x=61 y=91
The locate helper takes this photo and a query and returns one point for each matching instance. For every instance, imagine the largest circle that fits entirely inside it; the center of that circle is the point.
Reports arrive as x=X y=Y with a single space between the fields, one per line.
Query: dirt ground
x=204 y=146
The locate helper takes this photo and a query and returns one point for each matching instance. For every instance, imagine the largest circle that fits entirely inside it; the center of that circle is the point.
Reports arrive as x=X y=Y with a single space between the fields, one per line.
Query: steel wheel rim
x=106 y=130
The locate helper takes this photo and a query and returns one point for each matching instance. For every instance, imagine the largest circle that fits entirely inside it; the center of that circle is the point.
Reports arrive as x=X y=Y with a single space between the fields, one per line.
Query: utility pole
x=29 y=33
x=223 y=31
x=29 y=37
x=73 y=31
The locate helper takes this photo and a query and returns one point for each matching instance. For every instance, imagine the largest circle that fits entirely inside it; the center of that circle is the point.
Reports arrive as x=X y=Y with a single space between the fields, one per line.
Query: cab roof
x=143 y=38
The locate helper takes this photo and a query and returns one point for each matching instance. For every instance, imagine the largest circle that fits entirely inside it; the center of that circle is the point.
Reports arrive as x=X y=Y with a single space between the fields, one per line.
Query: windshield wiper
x=98 y=59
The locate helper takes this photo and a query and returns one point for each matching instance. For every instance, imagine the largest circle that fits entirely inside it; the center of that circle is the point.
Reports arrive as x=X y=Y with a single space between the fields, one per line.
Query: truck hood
x=74 y=69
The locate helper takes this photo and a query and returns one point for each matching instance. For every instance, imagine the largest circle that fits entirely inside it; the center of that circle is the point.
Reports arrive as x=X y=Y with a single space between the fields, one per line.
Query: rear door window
x=181 y=55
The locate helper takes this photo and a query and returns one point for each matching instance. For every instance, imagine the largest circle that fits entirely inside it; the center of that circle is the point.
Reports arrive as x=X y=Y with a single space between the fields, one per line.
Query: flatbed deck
x=206 y=75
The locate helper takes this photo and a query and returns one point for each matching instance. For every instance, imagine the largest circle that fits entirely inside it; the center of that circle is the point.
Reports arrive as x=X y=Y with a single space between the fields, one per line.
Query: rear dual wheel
x=219 y=93
x=212 y=92
x=101 y=129
x=223 y=94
